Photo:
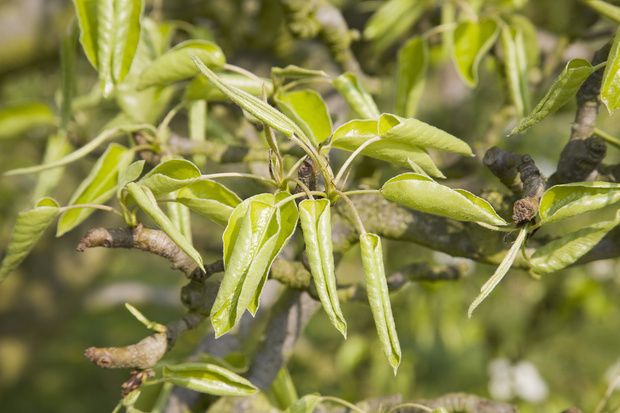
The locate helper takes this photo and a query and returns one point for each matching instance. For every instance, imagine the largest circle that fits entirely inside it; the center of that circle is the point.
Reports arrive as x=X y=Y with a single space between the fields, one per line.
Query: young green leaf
x=356 y=95
x=412 y=67
x=170 y=176
x=355 y=133
x=308 y=109
x=200 y=88
x=28 y=229
x=472 y=40
x=515 y=63
x=610 y=89
x=179 y=215
x=568 y=200
x=314 y=216
x=176 y=64
x=529 y=34
x=392 y=20
x=98 y=187
x=210 y=199
x=296 y=72
x=560 y=253
x=145 y=199
x=306 y=404
x=208 y=378
x=565 y=86
x=15 y=120
x=255 y=234
x=501 y=270
x=422 y=193
x=251 y=104
x=86 y=11
x=379 y=298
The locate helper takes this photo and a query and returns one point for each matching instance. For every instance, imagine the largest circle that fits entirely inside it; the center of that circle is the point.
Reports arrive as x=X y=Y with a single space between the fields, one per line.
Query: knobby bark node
x=534 y=185
x=580 y=159
x=142 y=355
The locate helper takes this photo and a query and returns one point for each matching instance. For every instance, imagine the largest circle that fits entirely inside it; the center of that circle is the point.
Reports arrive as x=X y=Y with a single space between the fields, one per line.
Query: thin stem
x=302 y=185
x=342 y=402
x=294 y=168
x=608 y=138
x=242 y=71
x=356 y=215
x=92 y=206
x=164 y=123
x=238 y=175
x=352 y=157
x=610 y=390
x=439 y=29
x=416 y=405
x=599 y=66
x=362 y=191
x=301 y=82
x=496 y=228
x=298 y=195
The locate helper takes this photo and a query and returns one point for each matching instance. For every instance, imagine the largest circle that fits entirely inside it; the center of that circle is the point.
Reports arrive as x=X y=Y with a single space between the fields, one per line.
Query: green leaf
x=256 y=232
x=176 y=64
x=606 y=9
x=610 y=89
x=314 y=216
x=306 y=404
x=145 y=199
x=412 y=67
x=309 y=111
x=379 y=298
x=515 y=63
x=98 y=187
x=565 y=251
x=392 y=20
x=499 y=273
x=565 y=86
x=296 y=72
x=179 y=215
x=472 y=40
x=86 y=11
x=131 y=173
x=15 y=120
x=356 y=95
x=28 y=229
x=201 y=88
x=529 y=33
x=422 y=193
x=57 y=147
x=567 y=200
x=210 y=199
x=170 y=176
x=208 y=378
x=252 y=105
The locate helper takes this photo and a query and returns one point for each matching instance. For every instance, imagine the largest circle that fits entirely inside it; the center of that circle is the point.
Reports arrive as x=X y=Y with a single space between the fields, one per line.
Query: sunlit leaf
x=610 y=88
x=145 y=199
x=208 y=378
x=356 y=95
x=28 y=229
x=605 y=8
x=176 y=64
x=392 y=20
x=210 y=199
x=412 y=67
x=563 y=252
x=314 y=216
x=565 y=86
x=472 y=40
x=310 y=112
x=170 y=176
x=423 y=194
x=379 y=298
x=15 y=120
x=296 y=72
x=86 y=11
x=201 y=88
x=515 y=63
x=567 y=200
x=98 y=187
x=529 y=34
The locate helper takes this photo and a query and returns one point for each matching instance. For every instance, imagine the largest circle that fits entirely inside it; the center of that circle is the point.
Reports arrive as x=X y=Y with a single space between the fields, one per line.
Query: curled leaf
x=356 y=95
x=208 y=378
x=170 y=176
x=210 y=199
x=472 y=40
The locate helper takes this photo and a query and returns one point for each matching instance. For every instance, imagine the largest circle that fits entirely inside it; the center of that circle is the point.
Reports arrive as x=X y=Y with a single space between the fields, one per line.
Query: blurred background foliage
x=60 y=302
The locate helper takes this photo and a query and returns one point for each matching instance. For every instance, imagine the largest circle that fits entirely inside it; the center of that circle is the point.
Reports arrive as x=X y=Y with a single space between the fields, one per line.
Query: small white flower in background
x=521 y=380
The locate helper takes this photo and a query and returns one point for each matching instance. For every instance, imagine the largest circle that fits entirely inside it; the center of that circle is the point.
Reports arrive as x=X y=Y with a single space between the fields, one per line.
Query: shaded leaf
x=515 y=64
x=176 y=64
x=296 y=72
x=379 y=298
x=356 y=95
x=15 y=120
x=610 y=88
x=170 y=176
x=565 y=86
x=568 y=200
x=208 y=378
x=28 y=229
x=606 y=9
x=563 y=252
x=392 y=20
x=314 y=216
x=210 y=199
x=306 y=404
x=423 y=194
x=145 y=199
x=472 y=40
x=309 y=111
x=412 y=67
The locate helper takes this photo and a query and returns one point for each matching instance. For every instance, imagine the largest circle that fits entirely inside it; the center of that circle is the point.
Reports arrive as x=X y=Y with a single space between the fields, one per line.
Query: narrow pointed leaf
x=28 y=229
x=127 y=34
x=501 y=270
x=472 y=40
x=15 y=120
x=568 y=200
x=356 y=95
x=210 y=199
x=314 y=216
x=251 y=104
x=412 y=67
x=98 y=187
x=86 y=11
x=565 y=86
x=201 y=88
x=560 y=253
x=610 y=89
x=516 y=69
x=423 y=194
x=208 y=378
x=145 y=199
x=379 y=298
x=308 y=109
x=170 y=176
x=296 y=72
x=176 y=64
x=392 y=20
x=179 y=215
x=353 y=134
x=131 y=173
